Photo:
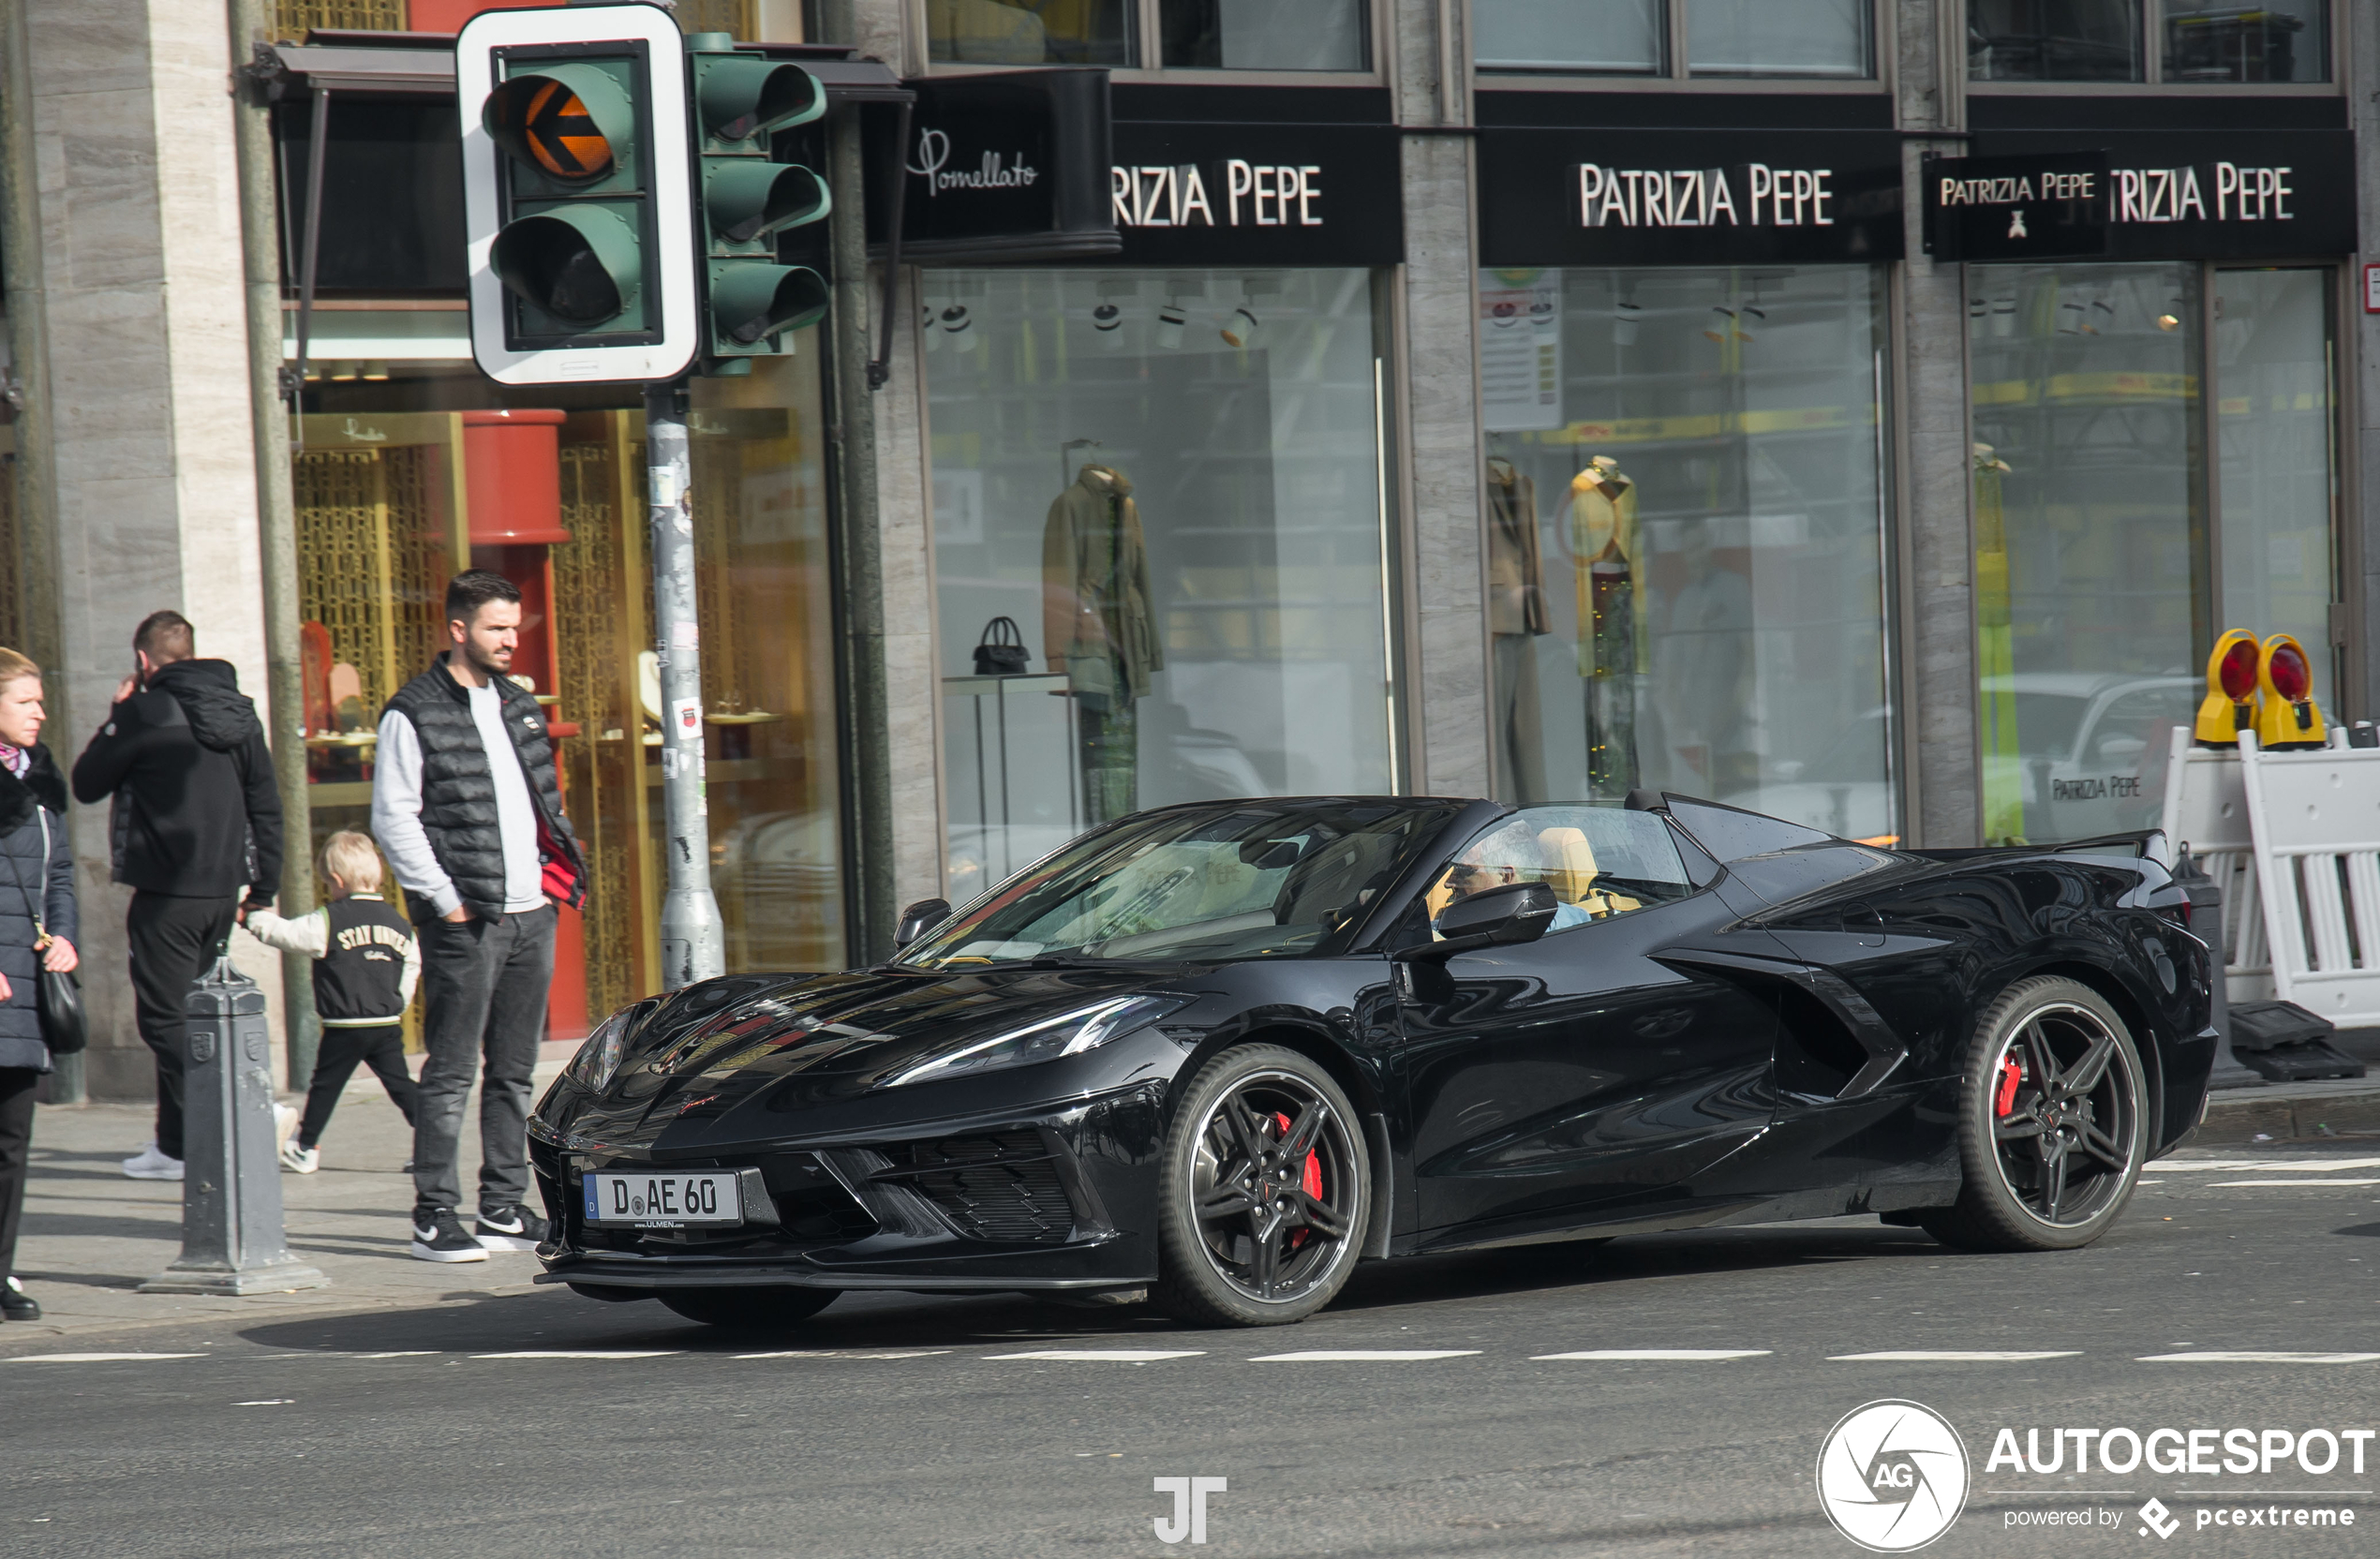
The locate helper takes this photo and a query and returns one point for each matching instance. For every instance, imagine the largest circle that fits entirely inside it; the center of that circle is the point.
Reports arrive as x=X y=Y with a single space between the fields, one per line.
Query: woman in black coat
x=37 y=878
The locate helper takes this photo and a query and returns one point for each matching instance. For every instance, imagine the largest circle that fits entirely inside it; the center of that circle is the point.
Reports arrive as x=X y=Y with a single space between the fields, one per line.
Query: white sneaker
x=305 y=1161
x=150 y=1164
x=285 y=1121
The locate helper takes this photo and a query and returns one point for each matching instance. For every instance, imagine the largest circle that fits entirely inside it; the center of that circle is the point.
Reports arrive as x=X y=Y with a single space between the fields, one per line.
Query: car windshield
x=1243 y=880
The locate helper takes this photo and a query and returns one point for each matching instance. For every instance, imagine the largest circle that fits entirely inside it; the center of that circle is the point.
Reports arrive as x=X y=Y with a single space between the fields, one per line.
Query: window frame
x=2152 y=81
x=1678 y=76
x=1147 y=52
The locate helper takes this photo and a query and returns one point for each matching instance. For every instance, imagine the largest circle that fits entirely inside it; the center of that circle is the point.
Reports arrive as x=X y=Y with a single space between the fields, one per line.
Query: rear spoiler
x=2148 y=844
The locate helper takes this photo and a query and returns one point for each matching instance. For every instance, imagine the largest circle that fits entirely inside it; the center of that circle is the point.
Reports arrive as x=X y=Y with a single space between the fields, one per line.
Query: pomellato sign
x=1005 y=166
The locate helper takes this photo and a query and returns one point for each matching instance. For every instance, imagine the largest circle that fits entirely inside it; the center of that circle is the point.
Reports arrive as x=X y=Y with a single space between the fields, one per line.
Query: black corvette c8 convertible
x=1225 y=1051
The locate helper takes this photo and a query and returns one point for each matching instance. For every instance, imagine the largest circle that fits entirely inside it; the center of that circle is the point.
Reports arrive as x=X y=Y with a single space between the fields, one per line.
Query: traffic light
x=741 y=101
x=576 y=194
x=2229 y=707
x=2288 y=717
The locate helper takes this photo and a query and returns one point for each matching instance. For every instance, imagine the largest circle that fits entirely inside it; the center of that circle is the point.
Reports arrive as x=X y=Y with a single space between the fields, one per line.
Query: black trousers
x=381 y=1048
x=174 y=941
x=16 y=1145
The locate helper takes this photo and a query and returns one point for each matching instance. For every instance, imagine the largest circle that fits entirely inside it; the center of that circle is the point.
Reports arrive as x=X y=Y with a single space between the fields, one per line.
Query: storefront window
x=410 y=471
x=2222 y=40
x=1264 y=35
x=1778 y=38
x=1031 y=31
x=1604 y=37
x=1687 y=525
x=1168 y=485
x=2276 y=436
x=2053 y=40
x=2089 y=470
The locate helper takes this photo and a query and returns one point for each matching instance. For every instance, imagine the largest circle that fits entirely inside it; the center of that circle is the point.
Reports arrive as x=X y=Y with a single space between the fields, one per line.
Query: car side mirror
x=1496 y=917
x=919 y=918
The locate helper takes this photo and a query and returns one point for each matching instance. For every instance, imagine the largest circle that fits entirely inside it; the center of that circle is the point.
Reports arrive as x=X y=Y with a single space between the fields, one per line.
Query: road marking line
x=269 y=1402
x=584 y=1353
x=838 y=1353
x=1968 y=1356
x=2311 y=1166
x=2212 y=1186
x=95 y=1357
x=1121 y=1356
x=2212 y=1356
x=398 y=1353
x=1657 y=1353
x=1361 y=1355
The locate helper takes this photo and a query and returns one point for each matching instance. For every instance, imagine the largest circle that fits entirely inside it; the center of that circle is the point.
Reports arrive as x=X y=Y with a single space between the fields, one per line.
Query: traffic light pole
x=692 y=944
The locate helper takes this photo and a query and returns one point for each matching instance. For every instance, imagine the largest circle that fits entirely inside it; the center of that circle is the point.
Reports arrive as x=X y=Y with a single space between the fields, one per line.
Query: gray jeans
x=483 y=998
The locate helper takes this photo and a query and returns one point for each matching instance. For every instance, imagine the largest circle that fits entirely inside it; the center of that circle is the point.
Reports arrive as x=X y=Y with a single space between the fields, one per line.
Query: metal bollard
x=2206 y=921
x=231 y=1238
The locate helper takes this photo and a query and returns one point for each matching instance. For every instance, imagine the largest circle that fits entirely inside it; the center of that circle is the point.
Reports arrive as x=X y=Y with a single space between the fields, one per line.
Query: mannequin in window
x=1607 y=550
x=1099 y=630
x=1516 y=615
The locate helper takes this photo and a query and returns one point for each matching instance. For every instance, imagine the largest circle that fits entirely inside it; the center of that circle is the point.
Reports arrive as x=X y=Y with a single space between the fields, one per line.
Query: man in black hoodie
x=196 y=818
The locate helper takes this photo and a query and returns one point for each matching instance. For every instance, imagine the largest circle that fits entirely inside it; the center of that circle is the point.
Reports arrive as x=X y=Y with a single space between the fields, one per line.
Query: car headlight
x=600 y=1057
x=1069 y=1034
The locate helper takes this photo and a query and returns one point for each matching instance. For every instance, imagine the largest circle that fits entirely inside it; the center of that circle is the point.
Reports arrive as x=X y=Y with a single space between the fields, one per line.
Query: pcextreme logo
x=1892 y=1475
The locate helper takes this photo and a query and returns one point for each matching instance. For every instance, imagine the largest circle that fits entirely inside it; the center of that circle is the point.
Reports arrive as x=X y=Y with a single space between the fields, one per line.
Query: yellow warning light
x=2231 y=690
x=2288 y=717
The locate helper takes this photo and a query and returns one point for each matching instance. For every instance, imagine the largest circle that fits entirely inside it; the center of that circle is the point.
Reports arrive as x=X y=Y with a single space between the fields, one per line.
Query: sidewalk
x=91 y=1236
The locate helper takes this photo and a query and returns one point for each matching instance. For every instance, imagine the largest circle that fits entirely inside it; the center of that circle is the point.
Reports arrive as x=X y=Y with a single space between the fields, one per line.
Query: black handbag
x=1003 y=652
x=57 y=997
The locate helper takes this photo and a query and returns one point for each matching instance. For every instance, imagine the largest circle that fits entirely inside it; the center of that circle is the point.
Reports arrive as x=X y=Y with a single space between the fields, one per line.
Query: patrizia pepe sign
x=1222 y=194
x=1588 y=196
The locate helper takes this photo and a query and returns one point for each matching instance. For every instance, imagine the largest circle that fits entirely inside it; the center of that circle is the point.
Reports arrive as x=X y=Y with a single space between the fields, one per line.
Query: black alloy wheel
x=2053 y=1122
x=748 y=1308
x=1265 y=1192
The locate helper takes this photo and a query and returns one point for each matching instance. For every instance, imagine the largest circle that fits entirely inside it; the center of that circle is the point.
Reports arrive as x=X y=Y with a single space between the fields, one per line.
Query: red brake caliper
x=1312 y=1182
x=2004 y=1097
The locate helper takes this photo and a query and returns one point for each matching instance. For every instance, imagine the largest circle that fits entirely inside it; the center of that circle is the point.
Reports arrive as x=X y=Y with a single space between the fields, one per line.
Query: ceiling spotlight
x=1170 y=319
x=342 y=373
x=1106 y=318
x=2003 y=315
x=1241 y=328
x=1747 y=318
x=960 y=325
x=1624 y=318
x=377 y=371
x=1722 y=323
x=2168 y=321
x=926 y=327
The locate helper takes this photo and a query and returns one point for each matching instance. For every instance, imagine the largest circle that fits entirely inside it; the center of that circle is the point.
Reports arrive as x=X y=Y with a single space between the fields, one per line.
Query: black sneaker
x=510 y=1228
x=438 y=1236
x=16 y=1304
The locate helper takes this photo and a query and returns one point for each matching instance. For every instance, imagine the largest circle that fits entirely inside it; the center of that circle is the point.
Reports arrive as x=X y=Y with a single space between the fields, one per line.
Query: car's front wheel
x=1264 y=1193
x=2053 y=1122
x=748 y=1308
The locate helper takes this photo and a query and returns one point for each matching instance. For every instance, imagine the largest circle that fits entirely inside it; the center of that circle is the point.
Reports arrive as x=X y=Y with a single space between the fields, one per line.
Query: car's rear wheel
x=2053 y=1122
x=750 y=1309
x=1264 y=1193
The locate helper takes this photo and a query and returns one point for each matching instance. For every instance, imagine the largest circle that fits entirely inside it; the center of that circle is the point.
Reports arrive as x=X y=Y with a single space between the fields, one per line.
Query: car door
x=1548 y=1083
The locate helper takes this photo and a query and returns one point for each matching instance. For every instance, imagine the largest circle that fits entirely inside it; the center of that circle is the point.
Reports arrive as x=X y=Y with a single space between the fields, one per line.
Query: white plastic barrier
x=2314 y=818
x=2207 y=808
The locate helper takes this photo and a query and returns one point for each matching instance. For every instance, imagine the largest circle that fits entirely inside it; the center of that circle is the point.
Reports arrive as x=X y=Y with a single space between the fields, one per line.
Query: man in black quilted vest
x=467 y=807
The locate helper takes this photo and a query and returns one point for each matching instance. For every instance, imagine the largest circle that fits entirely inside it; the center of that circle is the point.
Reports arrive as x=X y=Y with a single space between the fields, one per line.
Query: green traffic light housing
x=743 y=96
x=747 y=200
x=578 y=265
x=751 y=302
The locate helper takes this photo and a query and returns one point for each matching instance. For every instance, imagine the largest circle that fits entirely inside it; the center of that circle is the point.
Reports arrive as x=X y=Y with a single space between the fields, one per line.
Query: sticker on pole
x=1892 y=1475
x=686 y=715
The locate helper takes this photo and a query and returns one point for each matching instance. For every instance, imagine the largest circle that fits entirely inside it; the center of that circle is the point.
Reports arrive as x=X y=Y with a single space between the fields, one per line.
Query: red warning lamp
x=2289 y=716
x=2231 y=690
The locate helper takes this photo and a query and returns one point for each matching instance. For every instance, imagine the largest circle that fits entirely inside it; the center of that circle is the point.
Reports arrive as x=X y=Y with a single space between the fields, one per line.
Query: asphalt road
x=547 y=1425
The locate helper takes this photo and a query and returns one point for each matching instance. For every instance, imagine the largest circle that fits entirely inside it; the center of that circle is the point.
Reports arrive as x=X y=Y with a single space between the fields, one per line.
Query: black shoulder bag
x=58 y=996
x=1003 y=652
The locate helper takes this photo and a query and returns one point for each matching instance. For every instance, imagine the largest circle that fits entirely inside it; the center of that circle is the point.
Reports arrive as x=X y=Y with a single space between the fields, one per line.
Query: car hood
x=806 y=1041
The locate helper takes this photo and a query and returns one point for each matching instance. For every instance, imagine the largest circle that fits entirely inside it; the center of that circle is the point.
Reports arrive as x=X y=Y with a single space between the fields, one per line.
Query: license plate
x=664 y=1201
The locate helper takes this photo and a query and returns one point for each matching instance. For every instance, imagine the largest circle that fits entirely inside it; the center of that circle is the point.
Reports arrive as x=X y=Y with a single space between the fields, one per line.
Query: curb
x=2238 y=1115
